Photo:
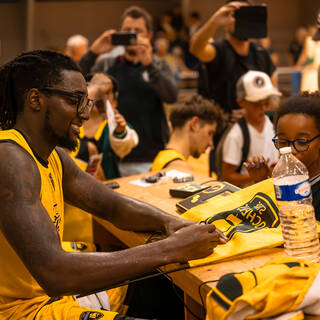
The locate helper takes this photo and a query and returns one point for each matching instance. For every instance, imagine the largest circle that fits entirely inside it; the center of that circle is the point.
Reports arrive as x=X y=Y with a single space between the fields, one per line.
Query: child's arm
x=123 y=143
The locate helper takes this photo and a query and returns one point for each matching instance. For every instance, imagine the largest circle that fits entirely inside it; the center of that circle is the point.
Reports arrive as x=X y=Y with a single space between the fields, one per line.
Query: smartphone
x=124 y=38
x=251 y=22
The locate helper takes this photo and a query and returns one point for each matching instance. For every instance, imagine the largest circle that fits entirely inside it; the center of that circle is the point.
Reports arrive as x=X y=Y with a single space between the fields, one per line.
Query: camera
x=251 y=22
x=124 y=39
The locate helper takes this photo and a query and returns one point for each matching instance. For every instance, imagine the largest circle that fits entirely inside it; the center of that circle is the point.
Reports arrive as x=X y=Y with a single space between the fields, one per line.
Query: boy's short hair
x=305 y=103
x=136 y=12
x=192 y=106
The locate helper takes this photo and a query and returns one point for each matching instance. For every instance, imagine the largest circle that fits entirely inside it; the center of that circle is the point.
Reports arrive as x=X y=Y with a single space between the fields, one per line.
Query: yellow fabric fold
x=279 y=287
x=248 y=217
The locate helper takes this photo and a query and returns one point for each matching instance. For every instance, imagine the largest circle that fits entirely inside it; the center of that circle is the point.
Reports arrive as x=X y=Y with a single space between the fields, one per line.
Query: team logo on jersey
x=258 y=213
x=87 y=315
x=259 y=82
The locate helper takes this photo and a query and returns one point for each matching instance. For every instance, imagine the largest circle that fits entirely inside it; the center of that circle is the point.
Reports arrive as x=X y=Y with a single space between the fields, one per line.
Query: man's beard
x=62 y=141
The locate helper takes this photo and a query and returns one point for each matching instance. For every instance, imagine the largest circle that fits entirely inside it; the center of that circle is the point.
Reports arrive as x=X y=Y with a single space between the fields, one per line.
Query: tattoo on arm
x=23 y=220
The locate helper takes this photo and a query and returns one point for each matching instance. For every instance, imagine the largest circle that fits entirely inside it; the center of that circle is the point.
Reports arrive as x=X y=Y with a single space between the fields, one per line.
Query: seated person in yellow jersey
x=193 y=123
x=43 y=103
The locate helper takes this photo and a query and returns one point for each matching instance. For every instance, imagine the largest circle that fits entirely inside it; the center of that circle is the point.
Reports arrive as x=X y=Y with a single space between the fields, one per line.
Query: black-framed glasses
x=301 y=145
x=82 y=101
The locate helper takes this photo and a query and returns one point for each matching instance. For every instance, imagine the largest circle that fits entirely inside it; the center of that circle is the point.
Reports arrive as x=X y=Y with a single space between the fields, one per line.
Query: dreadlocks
x=29 y=70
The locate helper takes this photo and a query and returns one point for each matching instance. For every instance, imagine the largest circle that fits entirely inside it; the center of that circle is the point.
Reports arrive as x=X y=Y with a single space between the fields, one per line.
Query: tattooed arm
x=31 y=233
x=85 y=192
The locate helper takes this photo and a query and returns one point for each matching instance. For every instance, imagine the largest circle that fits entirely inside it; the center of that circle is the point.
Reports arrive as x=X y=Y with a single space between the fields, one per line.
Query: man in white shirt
x=254 y=90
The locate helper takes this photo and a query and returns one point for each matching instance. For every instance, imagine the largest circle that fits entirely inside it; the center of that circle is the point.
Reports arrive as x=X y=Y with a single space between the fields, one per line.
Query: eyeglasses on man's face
x=82 y=101
x=301 y=145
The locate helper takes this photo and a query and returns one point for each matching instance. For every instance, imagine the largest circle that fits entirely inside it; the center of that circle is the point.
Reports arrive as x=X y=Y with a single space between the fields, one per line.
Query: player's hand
x=194 y=242
x=176 y=223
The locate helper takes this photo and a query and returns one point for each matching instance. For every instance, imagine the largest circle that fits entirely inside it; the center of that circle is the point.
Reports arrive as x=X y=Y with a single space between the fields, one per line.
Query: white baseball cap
x=254 y=86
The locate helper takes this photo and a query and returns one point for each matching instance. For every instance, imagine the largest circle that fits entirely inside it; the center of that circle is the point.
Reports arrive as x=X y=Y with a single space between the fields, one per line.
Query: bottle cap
x=285 y=150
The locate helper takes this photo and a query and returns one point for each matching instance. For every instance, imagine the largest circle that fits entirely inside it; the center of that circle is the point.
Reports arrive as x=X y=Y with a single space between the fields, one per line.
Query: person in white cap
x=252 y=135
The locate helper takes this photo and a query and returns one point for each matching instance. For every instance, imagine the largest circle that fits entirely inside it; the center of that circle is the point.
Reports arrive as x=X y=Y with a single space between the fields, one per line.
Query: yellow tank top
x=16 y=283
x=77 y=223
x=164 y=157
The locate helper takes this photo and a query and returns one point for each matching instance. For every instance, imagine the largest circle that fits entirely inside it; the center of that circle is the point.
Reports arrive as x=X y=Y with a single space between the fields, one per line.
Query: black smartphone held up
x=251 y=22
x=124 y=38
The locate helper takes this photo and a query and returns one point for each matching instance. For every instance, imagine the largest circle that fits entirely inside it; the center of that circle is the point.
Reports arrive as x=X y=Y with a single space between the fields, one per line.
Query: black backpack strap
x=246 y=142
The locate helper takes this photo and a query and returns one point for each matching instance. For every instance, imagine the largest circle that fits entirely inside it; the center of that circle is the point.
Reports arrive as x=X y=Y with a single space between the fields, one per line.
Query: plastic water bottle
x=294 y=198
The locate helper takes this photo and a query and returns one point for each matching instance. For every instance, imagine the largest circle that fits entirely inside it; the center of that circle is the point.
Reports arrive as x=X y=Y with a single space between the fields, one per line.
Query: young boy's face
x=255 y=110
x=298 y=126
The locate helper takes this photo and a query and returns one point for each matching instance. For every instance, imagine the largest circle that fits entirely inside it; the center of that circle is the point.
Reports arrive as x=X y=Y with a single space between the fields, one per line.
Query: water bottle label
x=293 y=192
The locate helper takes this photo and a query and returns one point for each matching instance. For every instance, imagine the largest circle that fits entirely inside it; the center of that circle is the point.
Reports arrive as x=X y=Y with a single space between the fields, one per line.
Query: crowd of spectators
x=176 y=48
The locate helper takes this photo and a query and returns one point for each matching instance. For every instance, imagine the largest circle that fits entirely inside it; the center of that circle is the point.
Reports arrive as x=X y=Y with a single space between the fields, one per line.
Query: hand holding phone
x=103 y=43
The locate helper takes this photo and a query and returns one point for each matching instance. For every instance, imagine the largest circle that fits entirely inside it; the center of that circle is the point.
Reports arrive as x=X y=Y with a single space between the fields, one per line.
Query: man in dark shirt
x=227 y=60
x=144 y=83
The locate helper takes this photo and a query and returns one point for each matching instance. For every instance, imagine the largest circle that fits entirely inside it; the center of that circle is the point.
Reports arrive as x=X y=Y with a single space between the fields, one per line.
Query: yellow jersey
x=165 y=157
x=17 y=286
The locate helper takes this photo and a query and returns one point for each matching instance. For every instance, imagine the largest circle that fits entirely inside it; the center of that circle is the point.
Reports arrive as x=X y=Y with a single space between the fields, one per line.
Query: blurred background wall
x=47 y=24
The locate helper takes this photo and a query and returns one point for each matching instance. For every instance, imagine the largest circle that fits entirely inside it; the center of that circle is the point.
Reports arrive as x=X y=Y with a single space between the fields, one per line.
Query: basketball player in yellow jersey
x=193 y=123
x=43 y=103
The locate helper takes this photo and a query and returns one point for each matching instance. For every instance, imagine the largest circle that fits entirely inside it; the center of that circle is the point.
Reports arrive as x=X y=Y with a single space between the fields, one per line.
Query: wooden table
x=188 y=280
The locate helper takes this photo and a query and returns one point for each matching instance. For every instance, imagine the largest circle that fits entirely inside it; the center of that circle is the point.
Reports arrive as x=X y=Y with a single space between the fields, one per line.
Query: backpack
x=244 y=151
